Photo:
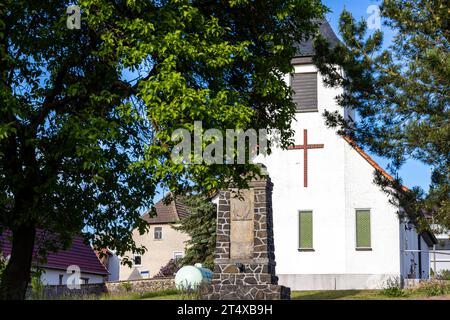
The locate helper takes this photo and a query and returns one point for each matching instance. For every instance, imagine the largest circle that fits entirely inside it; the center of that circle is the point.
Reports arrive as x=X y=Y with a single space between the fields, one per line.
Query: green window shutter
x=306 y=230
x=363 y=229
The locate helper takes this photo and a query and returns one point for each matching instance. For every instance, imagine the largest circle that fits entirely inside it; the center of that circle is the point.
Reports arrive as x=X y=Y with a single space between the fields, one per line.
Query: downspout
x=419 y=246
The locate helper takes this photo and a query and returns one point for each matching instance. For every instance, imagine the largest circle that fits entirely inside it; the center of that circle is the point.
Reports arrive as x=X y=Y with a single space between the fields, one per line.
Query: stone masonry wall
x=140 y=286
x=112 y=288
x=247 y=277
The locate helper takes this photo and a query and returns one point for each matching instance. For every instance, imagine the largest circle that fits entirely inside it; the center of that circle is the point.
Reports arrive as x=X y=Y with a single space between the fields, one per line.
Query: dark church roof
x=306 y=48
x=80 y=254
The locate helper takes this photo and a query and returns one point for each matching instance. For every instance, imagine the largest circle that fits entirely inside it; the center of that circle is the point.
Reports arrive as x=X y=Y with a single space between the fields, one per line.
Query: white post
x=434 y=261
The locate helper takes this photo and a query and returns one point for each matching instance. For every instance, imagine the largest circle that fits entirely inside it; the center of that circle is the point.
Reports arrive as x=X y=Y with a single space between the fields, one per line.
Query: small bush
x=433 y=288
x=37 y=287
x=197 y=293
x=127 y=286
x=3 y=263
x=393 y=288
x=444 y=275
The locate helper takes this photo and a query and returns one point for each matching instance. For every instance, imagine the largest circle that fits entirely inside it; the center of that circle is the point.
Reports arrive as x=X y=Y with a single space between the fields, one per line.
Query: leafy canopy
x=86 y=115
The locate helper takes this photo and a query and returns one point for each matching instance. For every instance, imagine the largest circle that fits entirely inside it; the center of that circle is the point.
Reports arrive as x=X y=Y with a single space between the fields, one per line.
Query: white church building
x=334 y=228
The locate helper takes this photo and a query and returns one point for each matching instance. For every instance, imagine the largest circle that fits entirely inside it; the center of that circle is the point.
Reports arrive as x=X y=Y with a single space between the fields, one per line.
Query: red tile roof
x=79 y=254
x=168 y=213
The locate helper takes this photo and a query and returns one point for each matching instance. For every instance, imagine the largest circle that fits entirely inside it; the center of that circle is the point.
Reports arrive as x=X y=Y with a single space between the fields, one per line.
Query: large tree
x=86 y=115
x=400 y=94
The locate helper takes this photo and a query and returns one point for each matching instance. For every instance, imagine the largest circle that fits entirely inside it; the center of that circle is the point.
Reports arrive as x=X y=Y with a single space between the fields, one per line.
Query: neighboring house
x=55 y=271
x=440 y=260
x=334 y=228
x=162 y=241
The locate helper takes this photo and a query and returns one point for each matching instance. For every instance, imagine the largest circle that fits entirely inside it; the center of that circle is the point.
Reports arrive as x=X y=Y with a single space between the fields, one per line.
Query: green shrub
x=37 y=287
x=196 y=293
x=393 y=288
x=127 y=286
x=161 y=293
x=433 y=288
x=2 y=265
x=444 y=275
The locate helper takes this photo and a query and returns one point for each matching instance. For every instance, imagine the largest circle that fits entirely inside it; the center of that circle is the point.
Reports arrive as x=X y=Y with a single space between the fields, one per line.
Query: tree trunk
x=16 y=275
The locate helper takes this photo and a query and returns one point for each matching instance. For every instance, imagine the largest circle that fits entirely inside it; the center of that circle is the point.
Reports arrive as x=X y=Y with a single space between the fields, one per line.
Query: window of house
x=84 y=280
x=305 y=230
x=61 y=279
x=363 y=234
x=157 y=233
x=137 y=260
x=305 y=91
x=178 y=255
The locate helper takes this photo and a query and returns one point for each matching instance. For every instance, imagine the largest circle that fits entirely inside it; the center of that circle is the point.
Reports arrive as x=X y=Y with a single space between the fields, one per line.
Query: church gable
x=369 y=159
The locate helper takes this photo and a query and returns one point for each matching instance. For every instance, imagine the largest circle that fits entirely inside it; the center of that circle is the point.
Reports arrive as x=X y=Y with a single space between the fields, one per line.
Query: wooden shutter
x=305 y=230
x=305 y=91
x=363 y=229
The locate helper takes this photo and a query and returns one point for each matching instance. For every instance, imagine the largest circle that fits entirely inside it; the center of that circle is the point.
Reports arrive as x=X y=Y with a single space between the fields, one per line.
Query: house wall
x=113 y=267
x=425 y=260
x=412 y=260
x=339 y=181
x=383 y=260
x=158 y=253
x=51 y=277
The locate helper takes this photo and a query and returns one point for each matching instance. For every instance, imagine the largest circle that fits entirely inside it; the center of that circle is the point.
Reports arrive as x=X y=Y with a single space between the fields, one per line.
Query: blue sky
x=413 y=172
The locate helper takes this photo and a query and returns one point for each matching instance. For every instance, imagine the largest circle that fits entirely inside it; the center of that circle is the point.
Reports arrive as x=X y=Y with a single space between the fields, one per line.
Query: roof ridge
x=175 y=208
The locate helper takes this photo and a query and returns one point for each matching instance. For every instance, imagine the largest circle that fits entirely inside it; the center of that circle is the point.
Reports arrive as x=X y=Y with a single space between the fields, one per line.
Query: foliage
x=86 y=116
x=393 y=288
x=433 y=287
x=444 y=275
x=169 y=269
x=2 y=264
x=161 y=293
x=400 y=94
x=196 y=293
x=127 y=286
x=37 y=287
x=200 y=225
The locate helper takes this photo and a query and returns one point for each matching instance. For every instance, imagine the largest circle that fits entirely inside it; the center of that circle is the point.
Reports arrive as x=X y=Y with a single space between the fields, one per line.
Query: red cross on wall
x=305 y=146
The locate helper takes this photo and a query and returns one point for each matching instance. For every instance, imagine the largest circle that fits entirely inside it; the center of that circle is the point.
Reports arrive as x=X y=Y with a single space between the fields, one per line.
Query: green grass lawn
x=295 y=295
x=331 y=295
x=356 y=295
x=168 y=297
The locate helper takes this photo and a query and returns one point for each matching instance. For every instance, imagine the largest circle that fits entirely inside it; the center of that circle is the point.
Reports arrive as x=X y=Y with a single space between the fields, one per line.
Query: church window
x=305 y=230
x=363 y=229
x=305 y=91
